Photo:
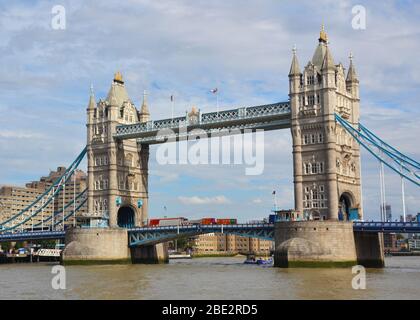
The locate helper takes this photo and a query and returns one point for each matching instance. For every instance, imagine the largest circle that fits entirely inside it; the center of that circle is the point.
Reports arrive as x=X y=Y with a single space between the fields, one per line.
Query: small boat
x=265 y=261
x=180 y=256
x=250 y=261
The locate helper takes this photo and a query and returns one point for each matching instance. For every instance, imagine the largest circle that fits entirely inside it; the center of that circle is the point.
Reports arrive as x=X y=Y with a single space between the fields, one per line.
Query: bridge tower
x=117 y=170
x=326 y=159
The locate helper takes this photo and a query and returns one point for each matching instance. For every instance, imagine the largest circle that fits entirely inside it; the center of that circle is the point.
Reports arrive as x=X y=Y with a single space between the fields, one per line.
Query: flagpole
x=172 y=102
x=217 y=101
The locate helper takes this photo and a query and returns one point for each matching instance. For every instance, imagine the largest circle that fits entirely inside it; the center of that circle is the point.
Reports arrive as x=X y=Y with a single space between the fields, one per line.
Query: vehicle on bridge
x=180 y=221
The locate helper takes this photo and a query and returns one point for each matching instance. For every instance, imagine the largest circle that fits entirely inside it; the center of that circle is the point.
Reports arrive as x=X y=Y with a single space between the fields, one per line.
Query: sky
x=186 y=48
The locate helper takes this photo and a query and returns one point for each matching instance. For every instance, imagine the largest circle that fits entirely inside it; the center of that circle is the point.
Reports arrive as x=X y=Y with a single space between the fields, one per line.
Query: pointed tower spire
x=144 y=114
x=92 y=103
x=351 y=74
x=294 y=68
x=328 y=63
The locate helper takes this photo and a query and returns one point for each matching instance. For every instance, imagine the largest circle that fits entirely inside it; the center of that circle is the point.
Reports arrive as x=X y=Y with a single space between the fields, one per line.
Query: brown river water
x=209 y=278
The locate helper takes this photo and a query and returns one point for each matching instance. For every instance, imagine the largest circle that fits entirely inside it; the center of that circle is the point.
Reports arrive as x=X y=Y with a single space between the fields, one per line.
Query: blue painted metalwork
x=398 y=162
x=43 y=201
x=267 y=117
x=387 y=227
x=35 y=235
x=153 y=235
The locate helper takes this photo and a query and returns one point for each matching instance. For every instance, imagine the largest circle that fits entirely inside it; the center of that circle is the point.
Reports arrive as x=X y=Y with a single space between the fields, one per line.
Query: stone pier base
x=370 y=249
x=96 y=246
x=326 y=244
x=150 y=254
x=108 y=246
x=314 y=244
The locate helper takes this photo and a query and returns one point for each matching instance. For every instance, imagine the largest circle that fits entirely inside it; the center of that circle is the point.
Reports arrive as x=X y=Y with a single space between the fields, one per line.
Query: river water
x=209 y=278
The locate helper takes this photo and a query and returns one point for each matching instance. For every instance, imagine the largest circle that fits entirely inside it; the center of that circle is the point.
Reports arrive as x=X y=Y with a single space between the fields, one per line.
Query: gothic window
x=122 y=113
x=320 y=167
x=314 y=195
x=308 y=168
x=315 y=168
x=321 y=188
x=313 y=138
x=306 y=139
x=317 y=99
x=310 y=80
x=311 y=100
x=320 y=138
x=307 y=189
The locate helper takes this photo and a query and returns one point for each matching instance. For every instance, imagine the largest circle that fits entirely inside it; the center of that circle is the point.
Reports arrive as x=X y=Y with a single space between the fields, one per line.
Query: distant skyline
x=186 y=48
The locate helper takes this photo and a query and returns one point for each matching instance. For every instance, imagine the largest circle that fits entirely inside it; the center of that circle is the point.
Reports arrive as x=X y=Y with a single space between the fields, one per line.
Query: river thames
x=210 y=278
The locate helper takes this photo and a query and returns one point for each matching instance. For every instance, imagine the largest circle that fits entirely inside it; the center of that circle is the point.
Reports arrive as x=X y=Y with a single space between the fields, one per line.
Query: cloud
x=204 y=200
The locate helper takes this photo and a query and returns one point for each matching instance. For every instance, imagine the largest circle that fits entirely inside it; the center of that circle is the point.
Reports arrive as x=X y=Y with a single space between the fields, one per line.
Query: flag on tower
x=213 y=90
x=274 y=191
x=172 y=98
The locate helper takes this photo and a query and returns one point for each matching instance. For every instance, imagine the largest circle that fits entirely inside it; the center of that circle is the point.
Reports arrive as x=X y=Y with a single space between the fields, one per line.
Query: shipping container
x=208 y=221
x=154 y=222
x=172 y=222
x=226 y=221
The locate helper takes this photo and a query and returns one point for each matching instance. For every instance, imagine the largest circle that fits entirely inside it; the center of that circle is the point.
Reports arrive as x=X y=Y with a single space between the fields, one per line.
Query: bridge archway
x=126 y=217
x=345 y=204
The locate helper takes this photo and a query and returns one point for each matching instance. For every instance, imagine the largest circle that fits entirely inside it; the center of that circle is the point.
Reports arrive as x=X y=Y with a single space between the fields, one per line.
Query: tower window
x=310 y=80
x=311 y=100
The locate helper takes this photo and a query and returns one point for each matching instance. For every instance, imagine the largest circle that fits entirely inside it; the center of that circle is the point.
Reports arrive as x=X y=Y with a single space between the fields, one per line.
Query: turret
x=144 y=114
x=91 y=114
x=352 y=82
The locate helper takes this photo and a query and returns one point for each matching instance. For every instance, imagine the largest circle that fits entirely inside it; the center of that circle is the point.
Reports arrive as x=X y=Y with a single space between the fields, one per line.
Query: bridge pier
x=108 y=246
x=326 y=244
x=314 y=244
x=152 y=254
x=370 y=249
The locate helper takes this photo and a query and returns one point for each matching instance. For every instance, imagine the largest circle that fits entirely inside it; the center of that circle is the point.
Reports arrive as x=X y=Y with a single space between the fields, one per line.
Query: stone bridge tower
x=117 y=170
x=326 y=158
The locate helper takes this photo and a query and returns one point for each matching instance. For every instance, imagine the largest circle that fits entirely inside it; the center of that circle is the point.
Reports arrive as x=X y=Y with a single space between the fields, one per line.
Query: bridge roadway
x=151 y=235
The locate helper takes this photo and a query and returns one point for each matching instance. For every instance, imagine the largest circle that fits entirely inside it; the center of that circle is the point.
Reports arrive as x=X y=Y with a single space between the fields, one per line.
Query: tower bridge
x=322 y=115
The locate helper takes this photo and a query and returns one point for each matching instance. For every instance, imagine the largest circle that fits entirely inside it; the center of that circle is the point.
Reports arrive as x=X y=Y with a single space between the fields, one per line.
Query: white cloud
x=195 y=200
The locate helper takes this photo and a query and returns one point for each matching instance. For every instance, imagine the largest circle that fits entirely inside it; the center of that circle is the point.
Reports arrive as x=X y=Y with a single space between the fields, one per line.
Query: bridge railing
x=243 y=113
